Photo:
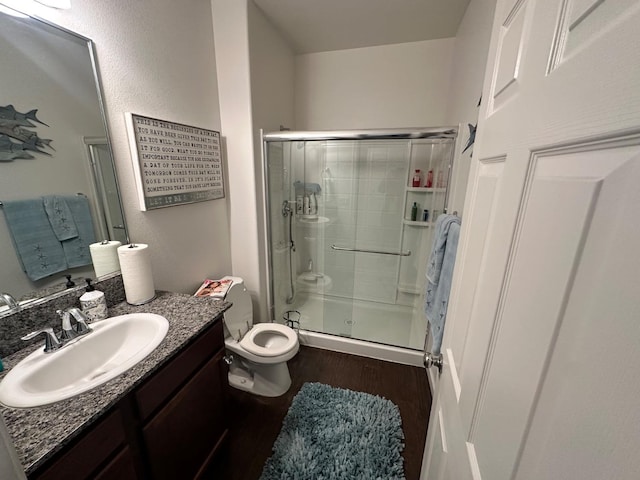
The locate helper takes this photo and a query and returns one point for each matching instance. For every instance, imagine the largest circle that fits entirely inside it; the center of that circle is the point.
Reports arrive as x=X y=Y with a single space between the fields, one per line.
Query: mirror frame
x=90 y=45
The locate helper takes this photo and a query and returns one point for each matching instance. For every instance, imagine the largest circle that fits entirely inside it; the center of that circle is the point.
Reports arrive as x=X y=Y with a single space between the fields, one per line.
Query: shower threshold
x=339 y=343
x=376 y=330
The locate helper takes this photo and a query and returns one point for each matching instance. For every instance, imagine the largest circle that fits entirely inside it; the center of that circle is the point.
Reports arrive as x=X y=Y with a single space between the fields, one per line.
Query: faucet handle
x=51 y=342
x=67 y=333
x=81 y=320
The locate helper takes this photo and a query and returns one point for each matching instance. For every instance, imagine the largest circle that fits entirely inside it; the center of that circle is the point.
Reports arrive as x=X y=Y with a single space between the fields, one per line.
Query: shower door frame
x=446 y=132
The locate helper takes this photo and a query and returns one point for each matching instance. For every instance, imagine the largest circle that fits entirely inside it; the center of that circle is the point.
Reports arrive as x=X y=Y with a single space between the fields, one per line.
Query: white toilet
x=260 y=352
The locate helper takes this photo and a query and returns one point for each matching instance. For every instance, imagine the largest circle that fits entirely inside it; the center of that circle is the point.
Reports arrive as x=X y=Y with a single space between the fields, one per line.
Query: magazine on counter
x=214 y=288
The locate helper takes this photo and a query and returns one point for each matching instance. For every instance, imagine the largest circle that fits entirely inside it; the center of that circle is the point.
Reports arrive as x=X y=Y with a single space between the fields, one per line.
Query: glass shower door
x=381 y=169
x=345 y=252
x=356 y=243
x=321 y=213
x=280 y=213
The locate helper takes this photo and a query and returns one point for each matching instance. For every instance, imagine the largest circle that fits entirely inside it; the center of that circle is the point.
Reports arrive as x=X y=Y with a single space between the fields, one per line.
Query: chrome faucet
x=70 y=332
x=10 y=302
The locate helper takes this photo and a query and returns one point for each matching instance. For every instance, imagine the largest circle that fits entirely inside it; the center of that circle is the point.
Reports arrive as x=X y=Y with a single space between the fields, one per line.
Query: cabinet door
x=120 y=468
x=183 y=437
x=81 y=460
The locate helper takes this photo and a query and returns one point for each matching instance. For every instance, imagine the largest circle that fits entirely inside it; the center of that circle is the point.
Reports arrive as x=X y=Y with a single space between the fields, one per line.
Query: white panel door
x=541 y=351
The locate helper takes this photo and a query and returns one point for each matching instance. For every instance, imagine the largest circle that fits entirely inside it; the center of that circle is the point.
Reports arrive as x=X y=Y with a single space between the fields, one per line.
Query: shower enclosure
x=350 y=225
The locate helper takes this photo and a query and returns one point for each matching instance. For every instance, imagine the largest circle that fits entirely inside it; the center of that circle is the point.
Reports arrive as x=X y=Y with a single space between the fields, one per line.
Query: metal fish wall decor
x=14 y=126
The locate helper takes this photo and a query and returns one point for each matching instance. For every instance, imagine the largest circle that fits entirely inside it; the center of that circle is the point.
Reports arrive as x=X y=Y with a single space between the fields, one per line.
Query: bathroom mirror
x=64 y=149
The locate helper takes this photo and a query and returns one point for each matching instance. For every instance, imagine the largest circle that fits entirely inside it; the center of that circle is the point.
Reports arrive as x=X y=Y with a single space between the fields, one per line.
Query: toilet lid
x=239 y=318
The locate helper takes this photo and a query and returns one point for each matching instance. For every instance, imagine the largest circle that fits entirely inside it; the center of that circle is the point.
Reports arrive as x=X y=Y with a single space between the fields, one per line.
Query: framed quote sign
x=174 y=163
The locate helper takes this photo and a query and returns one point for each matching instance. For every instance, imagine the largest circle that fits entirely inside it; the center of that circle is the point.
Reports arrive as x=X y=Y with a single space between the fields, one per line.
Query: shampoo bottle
x=93 y=303
x=414 y=212
x=429 y=183
x=416 y=179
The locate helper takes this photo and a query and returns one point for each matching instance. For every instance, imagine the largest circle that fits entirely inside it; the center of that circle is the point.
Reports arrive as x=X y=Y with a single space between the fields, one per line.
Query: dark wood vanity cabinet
x=89 y=456
x=171 y=426
x=183 y=433
x=183 y=436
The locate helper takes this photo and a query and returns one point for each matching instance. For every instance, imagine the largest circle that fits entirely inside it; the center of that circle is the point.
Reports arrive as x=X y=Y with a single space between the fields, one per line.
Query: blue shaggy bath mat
x=334 y=434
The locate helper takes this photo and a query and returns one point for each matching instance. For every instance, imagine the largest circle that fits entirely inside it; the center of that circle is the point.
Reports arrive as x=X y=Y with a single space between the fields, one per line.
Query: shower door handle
x=364 y=250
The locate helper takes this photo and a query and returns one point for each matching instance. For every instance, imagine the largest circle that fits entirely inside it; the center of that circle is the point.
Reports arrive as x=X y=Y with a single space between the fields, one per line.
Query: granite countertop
x=40 y=432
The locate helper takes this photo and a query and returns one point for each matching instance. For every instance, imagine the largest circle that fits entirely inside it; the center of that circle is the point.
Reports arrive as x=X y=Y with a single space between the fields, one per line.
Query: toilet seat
x=269 y=340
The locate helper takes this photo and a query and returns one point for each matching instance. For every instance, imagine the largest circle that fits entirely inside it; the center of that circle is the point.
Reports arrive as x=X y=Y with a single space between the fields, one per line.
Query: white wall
x=156 y=58
x=272 y=68
x=230 y=24
x=391 y=86
x=469 y=61
x=255 y=73
x=272 y=64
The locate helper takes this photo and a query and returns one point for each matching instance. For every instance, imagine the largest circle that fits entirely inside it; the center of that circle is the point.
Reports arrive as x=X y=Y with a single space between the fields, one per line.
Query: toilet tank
x=238 y=319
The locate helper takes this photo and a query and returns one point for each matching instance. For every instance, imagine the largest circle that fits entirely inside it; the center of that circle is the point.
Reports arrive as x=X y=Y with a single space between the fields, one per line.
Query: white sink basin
x=113 y=347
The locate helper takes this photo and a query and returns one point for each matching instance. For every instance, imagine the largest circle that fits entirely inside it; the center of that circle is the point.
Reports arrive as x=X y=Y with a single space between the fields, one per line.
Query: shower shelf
x=313 y=221
x=416 y=223
x=426 y=190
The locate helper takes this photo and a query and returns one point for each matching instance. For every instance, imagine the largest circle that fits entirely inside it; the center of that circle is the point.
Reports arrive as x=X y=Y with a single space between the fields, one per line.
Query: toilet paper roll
x=105 y=257
x=137 y=276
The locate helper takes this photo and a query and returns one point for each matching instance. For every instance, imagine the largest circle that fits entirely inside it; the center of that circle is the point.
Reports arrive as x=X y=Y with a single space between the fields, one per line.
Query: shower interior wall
x=364 y=202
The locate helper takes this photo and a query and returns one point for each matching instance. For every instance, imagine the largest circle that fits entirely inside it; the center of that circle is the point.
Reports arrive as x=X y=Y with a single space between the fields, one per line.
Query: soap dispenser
x=93 y=303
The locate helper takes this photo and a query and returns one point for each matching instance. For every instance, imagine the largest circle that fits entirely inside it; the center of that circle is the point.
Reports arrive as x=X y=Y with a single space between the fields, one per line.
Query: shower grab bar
x=364 y=250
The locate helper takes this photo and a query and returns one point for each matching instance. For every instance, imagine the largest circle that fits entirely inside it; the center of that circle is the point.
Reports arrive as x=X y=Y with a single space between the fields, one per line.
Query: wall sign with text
x=174 y=163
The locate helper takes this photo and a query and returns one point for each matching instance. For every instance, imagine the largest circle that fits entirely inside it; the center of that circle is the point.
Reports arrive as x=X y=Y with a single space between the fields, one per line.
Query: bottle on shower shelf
x=417 y=179
x=429 y=182
x=313 y=204
x=414 y=212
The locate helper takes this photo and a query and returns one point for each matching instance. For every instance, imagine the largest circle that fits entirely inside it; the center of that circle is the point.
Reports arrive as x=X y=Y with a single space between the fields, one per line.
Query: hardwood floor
x=256 y=421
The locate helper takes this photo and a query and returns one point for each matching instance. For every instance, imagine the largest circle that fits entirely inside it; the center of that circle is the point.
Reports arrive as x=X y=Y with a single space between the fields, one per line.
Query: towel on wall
x=36 y=244
x=60 y=217
x=439 y=276
x=76 y=250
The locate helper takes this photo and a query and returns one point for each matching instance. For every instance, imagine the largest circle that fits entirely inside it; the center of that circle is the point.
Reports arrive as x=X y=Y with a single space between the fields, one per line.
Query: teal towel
x=439 y=276
x=443 y=223
x=76 y=250
x=35 y=242
x=60 y=217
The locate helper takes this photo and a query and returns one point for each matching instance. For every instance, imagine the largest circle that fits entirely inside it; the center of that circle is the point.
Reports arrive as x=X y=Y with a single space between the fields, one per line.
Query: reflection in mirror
x=55 y=160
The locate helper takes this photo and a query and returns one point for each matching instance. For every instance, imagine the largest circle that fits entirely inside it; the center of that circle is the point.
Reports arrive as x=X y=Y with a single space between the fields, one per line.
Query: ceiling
x=322 y=25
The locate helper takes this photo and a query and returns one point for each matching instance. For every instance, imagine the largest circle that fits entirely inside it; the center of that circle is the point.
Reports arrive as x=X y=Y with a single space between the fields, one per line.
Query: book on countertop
x=214 y=288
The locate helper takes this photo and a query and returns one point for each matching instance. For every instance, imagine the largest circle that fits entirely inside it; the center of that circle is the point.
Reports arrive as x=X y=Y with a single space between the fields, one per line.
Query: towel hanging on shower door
x=439 y=275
